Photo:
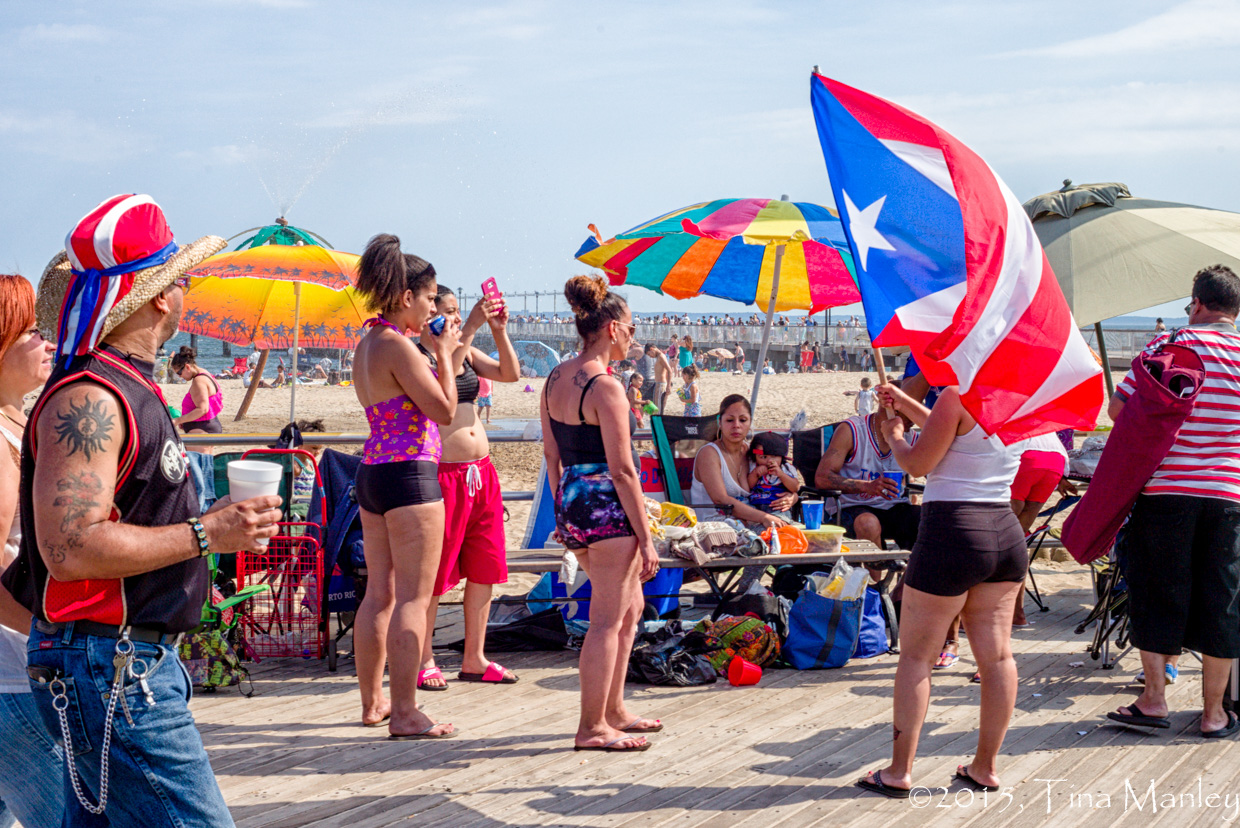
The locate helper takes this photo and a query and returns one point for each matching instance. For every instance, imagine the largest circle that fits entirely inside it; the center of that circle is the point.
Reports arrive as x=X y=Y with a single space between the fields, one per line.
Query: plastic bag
x=786 y=540
x=844 y=583
x=673 y=514
x=672 y=656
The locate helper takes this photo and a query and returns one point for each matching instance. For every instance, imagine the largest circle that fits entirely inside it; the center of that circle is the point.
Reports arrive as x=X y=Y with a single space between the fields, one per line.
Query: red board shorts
x=1039 y=474
x=473 y=540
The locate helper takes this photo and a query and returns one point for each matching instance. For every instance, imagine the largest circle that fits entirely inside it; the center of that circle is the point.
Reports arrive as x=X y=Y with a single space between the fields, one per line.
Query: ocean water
x=211 y=354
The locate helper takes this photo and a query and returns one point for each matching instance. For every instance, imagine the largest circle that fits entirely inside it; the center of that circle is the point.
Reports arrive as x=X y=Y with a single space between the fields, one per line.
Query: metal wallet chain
x=60 y=702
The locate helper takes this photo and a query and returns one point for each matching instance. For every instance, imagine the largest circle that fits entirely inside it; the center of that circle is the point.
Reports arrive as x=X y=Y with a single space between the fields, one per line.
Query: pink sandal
x=494 y=674
x=432 y=673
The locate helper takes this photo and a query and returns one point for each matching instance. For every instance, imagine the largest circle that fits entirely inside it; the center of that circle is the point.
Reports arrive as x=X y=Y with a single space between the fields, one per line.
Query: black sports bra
x=583 y=443
x=466 y=381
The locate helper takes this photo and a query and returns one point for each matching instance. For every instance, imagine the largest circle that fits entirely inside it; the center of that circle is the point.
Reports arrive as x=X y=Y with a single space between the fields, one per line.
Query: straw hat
x=120 y=256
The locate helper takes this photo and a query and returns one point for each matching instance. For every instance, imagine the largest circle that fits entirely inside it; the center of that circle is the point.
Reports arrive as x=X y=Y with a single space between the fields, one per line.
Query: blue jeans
x=159 y=773
x=31 y=766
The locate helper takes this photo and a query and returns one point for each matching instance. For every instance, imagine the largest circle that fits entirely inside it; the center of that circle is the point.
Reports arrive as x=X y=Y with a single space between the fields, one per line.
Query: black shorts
x=898 y=523
x=211 y=426
x=381 y=487
x=963 y=544
x=1181 y=558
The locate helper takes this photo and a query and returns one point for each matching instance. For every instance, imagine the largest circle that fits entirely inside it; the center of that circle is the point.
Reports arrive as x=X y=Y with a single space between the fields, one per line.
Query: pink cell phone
x=490 y=289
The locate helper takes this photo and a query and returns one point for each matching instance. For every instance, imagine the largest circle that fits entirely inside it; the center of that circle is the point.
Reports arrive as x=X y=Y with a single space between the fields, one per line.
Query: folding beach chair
x=808 y=447
x=1037 y=538
x=344 y=563
x=676 y=444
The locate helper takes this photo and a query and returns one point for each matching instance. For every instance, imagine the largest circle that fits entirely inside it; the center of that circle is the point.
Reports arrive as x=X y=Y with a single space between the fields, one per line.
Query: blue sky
x=487 y=136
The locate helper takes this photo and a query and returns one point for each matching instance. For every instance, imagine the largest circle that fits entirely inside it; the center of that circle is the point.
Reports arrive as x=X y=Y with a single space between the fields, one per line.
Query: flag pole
x=766 y=332
x=882 y=378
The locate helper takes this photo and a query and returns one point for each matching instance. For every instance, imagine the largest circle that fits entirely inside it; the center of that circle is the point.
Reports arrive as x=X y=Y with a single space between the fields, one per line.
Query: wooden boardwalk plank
x=783 y=753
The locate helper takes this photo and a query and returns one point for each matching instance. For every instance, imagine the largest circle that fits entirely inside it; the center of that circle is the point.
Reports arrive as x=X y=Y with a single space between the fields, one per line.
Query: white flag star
x=862 y=226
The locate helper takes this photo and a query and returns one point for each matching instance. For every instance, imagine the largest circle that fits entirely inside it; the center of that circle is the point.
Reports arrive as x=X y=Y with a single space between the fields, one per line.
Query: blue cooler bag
x=872 y=638
x=822 y=632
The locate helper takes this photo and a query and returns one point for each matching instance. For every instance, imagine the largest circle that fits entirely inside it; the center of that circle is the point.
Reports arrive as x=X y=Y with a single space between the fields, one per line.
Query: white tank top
x=866 y=462
x=12 y=643
x=697 y=491
x=976 y=468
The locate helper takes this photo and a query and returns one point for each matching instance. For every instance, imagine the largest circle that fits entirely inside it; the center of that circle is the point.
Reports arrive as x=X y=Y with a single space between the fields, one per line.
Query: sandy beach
x=821 y=396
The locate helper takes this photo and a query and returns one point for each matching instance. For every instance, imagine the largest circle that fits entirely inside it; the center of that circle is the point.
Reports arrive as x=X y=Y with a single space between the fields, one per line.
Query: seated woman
x=721 y=469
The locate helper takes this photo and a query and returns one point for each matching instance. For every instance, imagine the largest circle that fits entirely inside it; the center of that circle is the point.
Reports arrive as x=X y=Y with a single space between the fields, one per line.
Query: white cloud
x=63 y=33
x=1125 y=120
x=1198 y=24
x=66 y=136
x=517 y=20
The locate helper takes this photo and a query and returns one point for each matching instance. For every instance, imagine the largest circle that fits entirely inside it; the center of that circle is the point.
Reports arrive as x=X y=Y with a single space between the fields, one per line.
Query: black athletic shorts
x=381 y=487
x=211 y=426
x=899 y=523
x=961 y=544
x=1181 y=558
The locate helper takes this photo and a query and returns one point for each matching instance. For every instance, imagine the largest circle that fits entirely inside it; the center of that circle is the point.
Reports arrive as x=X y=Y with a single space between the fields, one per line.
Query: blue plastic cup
x=898 y=478
x=811 y=513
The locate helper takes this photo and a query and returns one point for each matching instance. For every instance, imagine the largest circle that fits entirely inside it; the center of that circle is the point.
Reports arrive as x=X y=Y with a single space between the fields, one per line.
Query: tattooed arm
x=80 y=432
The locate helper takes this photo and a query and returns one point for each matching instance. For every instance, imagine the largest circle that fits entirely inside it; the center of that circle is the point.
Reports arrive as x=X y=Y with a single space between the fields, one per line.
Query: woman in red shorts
x=473 y=543
x=1043 y=464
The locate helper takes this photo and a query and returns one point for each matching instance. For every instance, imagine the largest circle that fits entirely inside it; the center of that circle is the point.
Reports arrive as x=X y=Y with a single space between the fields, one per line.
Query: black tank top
x=153 y=488
x=466 y=381
x=583 y=443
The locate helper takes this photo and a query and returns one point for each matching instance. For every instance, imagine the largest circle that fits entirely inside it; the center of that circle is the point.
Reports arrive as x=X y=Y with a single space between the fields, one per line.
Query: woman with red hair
x=30 y=761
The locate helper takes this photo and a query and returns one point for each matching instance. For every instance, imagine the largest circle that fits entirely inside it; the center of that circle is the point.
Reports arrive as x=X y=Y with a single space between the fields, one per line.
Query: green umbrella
x=1114 y=254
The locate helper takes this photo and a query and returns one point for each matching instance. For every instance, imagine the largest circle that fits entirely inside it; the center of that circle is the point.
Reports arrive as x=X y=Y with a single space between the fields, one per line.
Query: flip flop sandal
x=1138 y=718
x=379 y=723
x=875 y=783
x=425 y=734
x=432 y=673
x=952 y=658
x=962 y=773
x=494 y=674
x=632 y=727
x=608 y=748
x=1233 y=724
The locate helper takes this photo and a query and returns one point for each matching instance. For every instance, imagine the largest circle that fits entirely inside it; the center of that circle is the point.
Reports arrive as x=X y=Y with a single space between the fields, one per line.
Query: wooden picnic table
x=860 y=552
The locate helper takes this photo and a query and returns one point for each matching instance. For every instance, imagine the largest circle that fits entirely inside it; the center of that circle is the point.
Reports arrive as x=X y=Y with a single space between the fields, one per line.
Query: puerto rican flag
x=949 y=265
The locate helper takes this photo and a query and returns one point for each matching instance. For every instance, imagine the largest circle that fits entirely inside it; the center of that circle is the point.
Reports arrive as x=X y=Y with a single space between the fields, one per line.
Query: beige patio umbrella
x=1114 y=254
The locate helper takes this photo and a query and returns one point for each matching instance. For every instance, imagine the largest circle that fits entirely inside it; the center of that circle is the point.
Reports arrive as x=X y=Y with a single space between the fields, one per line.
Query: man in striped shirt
x=1182 y=553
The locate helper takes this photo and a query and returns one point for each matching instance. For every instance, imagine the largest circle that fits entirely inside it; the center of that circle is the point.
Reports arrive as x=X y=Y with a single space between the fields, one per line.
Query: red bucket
x=742 y=673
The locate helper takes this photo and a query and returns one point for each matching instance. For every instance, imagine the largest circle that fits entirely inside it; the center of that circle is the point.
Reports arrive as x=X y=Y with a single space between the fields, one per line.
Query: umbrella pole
x=1106 y=362
x=255 y=379
x=292 y=406
x=766 y=332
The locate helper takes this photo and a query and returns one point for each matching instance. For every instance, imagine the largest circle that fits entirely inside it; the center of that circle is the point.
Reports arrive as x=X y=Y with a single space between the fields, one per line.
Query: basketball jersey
x=153 y=488
x=866 y=462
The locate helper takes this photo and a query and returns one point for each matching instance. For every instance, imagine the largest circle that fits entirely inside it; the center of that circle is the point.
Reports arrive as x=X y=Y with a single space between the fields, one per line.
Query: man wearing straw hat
x=112 y=561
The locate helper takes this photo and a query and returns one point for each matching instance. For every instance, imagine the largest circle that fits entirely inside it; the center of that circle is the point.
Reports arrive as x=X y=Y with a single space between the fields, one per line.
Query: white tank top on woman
x=13 y=643
x=976 y=468
x=698 y=494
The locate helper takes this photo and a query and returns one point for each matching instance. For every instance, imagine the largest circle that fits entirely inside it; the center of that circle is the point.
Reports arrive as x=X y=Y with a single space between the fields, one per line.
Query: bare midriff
x=466 y=438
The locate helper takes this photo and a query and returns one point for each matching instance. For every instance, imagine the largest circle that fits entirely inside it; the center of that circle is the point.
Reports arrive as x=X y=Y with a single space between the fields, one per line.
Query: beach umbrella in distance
x=282 y=289
x=778 y=254
x=1115 y=254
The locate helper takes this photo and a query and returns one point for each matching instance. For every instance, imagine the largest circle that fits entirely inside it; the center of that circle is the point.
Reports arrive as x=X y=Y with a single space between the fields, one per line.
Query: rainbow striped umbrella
x=782 y=255
x=728 y=249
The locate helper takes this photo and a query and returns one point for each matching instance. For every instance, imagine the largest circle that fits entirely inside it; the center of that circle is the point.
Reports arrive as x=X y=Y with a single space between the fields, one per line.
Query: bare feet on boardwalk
x=378 y=714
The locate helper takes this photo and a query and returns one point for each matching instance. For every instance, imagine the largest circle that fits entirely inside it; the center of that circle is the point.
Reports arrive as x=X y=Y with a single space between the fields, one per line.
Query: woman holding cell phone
x=474 y=548
x=397 y=485
x=969 y=559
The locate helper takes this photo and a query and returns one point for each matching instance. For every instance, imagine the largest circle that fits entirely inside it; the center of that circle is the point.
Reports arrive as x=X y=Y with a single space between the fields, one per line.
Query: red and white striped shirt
x=1205 y=459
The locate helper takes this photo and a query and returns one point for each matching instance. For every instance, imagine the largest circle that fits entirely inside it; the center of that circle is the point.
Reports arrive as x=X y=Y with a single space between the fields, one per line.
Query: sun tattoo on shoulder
x=85 y=427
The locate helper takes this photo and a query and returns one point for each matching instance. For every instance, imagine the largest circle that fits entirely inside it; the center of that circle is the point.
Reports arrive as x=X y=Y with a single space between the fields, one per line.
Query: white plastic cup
x=253 y=478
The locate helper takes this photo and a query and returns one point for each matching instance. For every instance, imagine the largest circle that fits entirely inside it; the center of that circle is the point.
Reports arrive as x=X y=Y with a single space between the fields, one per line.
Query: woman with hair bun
x=600 y=514
x=200 y=410
x=397 y=484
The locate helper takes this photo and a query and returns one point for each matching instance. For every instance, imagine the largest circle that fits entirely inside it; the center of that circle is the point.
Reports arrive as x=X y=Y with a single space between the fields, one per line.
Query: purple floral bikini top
x=399 y=431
